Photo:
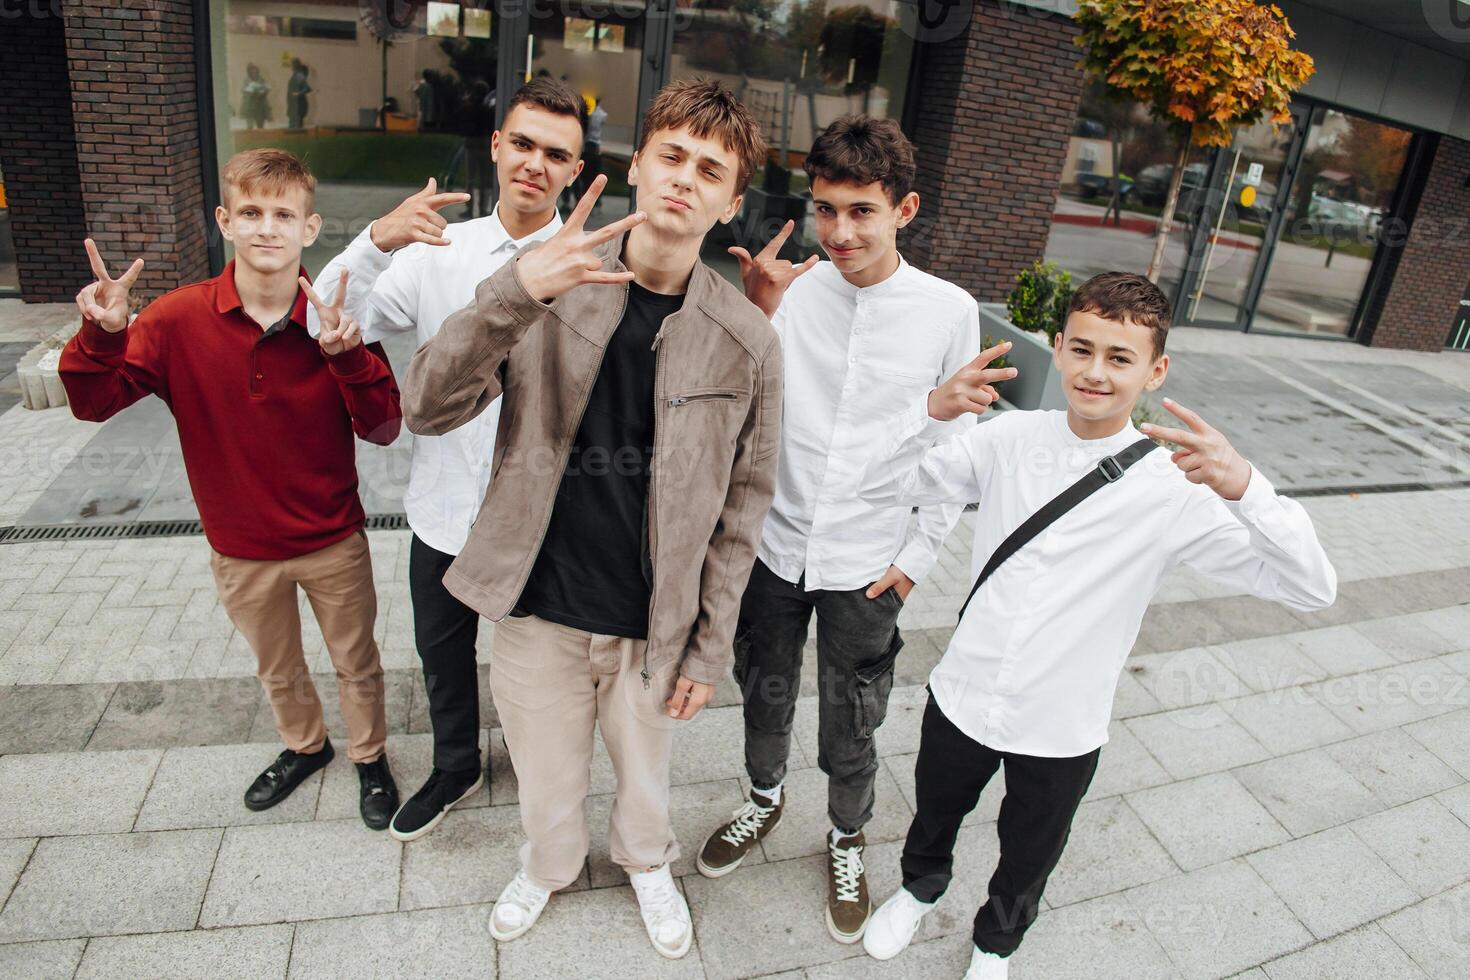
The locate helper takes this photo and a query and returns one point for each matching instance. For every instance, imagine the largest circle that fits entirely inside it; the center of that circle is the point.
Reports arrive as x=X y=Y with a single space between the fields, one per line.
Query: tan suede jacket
x=717 y=422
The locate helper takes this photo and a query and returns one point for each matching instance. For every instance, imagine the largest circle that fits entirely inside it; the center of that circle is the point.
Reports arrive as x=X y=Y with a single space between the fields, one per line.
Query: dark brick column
x=137 y=136
x=998 y=106
x=38 y=152
x=1433 y=268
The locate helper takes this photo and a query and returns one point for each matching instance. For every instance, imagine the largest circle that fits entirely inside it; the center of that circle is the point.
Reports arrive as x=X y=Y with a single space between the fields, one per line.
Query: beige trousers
x=551 y=685
x=260 y=598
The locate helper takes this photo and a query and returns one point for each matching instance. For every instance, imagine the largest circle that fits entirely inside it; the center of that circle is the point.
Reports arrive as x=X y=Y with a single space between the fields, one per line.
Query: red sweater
x=265 y=418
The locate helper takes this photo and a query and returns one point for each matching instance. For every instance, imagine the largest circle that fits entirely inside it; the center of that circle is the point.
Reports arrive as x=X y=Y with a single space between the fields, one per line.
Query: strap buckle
x=1110 y=468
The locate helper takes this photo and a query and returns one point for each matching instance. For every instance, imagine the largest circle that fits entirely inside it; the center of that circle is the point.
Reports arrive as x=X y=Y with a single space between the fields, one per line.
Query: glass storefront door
x=1237 y=202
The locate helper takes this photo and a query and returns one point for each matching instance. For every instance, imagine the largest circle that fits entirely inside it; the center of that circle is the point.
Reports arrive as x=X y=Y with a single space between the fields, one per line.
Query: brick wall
x=38 y=153
x=1433 y=268
x=137 y=136
x=998 y=106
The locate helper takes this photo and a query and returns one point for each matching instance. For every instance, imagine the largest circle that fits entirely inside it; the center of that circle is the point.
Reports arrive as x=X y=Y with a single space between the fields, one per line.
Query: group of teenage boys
x=645 y=475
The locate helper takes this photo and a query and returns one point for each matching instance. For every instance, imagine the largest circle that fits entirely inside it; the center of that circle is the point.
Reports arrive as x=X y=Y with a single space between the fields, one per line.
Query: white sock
x=838 y=835
x=773 y=794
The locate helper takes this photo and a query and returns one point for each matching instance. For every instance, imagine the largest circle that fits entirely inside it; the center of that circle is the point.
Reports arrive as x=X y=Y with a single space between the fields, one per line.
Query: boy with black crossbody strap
x=1077 y=526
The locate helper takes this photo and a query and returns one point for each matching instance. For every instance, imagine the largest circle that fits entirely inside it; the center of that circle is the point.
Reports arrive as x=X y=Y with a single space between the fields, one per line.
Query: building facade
x=1348 y=224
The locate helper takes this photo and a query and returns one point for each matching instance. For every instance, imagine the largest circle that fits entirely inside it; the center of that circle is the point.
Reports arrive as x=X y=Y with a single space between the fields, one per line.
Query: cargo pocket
x=871 y=684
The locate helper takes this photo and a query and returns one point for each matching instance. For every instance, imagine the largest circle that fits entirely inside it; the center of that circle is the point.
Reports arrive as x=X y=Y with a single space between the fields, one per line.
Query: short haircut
x=863 y=150
x=268 y=170
x=1124 y=296
x=548 y=93
x=708 y=108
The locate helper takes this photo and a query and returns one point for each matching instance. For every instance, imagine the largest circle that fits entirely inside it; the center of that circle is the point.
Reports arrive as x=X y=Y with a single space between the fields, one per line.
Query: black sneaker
x=439 y=794
x=379 y=793
x=282 y=776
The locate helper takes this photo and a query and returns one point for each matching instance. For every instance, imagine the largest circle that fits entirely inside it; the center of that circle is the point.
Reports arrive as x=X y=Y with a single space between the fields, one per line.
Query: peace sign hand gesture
x=105 y=302
x=1204 y=454
x=970 y=389
x=767 y=277
x=417 y=219
x=340 y=332
x=567 y=259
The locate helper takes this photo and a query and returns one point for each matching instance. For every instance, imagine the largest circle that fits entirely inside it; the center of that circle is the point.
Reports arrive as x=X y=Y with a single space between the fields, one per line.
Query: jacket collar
x=696 y=297
x=227 y=297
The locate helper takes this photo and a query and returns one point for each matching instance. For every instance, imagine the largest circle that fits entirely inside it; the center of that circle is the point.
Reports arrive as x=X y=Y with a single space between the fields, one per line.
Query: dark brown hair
x=708 y=108
x=551 y=94
x=862 y=150
x=1124 y=296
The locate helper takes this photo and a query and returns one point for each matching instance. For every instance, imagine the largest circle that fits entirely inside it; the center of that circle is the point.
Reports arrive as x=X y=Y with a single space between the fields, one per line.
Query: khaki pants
x=551 y=685
x=260 y=598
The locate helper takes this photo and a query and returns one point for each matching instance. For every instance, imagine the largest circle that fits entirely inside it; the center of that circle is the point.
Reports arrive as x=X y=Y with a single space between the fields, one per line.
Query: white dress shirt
x=1034 y=665
x=854 y=356
x=415 y=288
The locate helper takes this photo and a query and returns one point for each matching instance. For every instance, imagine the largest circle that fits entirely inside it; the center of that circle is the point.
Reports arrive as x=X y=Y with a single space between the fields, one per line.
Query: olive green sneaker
x=848 y=904
x=728 y=845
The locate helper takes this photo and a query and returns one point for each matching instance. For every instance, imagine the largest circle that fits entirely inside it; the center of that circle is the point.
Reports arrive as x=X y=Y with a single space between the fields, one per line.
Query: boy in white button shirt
x=861 y=336
x=410 y=270
x=1030 y=672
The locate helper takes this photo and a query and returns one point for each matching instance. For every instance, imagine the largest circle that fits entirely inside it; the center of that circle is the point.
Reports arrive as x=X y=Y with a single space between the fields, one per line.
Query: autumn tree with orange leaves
x=1202 y=67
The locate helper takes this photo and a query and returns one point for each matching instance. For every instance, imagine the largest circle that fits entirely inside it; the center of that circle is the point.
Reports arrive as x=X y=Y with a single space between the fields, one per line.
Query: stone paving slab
x=47 y=960
x=1365 y=952
x=1436 y=933
x=451 y=943
x=258 y=951
x=296 y=871
x=84 y=793
x=1207 y=820
x=204 y=787
x=1332 y=881
x=110 y=884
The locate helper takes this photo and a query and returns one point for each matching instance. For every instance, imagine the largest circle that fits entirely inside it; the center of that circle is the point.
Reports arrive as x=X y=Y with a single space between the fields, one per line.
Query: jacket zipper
x=686 y=399
x=658 y=376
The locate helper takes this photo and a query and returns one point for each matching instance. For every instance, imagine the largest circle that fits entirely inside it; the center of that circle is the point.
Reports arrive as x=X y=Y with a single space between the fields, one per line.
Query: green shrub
x=1039 y=302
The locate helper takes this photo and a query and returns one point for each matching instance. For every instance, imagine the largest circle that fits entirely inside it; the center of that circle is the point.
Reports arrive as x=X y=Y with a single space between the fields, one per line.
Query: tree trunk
x=1115 y=203
x=1166 y=220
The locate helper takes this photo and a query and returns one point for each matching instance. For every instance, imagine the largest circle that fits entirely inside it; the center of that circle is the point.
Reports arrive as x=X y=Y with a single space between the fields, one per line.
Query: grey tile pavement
x=1332 y=881
x=257 y=951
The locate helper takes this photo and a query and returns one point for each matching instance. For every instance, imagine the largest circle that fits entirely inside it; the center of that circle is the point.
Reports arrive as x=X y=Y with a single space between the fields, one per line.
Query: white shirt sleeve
x=934 y=521
x=909 y=470
x=382 y=287
x=1263 y=543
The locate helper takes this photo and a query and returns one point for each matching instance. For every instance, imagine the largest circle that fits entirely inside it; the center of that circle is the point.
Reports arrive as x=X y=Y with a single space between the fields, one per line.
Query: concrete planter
x=37 y=371
x=1037 y=383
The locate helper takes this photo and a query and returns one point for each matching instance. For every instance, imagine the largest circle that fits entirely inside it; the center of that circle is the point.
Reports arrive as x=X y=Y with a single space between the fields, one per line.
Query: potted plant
x=1032 y=315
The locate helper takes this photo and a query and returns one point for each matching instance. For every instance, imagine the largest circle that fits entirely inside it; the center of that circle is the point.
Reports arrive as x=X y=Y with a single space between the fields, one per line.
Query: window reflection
x=798 y=65
x=376 y=97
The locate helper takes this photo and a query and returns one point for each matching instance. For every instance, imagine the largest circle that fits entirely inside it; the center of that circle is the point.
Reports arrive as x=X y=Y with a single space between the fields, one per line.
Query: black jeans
x=1042 y=796
x=445 y=629
x=857 y=643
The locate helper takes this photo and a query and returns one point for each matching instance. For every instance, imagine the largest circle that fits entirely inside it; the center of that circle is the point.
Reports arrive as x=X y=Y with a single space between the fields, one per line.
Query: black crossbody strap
x=1108 y=470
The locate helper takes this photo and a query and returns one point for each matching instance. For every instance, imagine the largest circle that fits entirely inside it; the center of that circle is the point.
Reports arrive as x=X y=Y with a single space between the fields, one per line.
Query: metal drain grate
x=148 y=529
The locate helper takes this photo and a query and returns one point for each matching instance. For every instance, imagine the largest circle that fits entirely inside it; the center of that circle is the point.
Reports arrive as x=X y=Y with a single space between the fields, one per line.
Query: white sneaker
x=517 y=908
x=987 y=966
x=665 y=913
x=892 y=927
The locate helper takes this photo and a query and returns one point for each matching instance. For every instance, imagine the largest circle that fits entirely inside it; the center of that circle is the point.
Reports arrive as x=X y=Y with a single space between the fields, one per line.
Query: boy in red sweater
x=266 y=417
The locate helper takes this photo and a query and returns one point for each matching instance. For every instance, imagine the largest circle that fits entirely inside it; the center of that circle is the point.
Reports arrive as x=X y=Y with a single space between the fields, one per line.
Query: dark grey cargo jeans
x=857 y=643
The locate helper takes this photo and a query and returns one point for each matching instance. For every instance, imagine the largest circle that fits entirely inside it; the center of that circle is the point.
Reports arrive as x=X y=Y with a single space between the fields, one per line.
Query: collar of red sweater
x=227 y=297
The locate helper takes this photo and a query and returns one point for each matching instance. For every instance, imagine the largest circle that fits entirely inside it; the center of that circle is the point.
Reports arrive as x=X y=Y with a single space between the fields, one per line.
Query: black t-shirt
x=589 y=573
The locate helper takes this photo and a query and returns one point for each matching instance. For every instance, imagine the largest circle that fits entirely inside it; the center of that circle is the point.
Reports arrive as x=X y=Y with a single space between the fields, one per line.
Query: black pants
x=857 y=643
x=445 y=629
x=1042 y=795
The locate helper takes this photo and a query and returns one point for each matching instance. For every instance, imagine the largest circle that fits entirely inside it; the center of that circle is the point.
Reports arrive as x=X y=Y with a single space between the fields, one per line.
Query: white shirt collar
x=499 y=238
x=878 y=288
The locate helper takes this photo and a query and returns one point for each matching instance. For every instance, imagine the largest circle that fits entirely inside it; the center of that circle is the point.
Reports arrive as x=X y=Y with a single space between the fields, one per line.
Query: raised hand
x=970 y=389
x=1204 y=454
x=417 y=219
x=105 y=302
x=767 y=277
x=567 y=259
x=340 y=332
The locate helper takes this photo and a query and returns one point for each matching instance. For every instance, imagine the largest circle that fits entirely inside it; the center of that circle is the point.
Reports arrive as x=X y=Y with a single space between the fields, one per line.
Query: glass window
x=376 y=97
x=597 y=48
x=1344 y=187
x=9 y=274
x=799 y=65
x=1114 y=182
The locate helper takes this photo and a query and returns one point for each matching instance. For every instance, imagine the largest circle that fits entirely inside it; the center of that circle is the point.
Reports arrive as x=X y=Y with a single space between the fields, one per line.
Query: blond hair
x=269 y=170
x=708 y=109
